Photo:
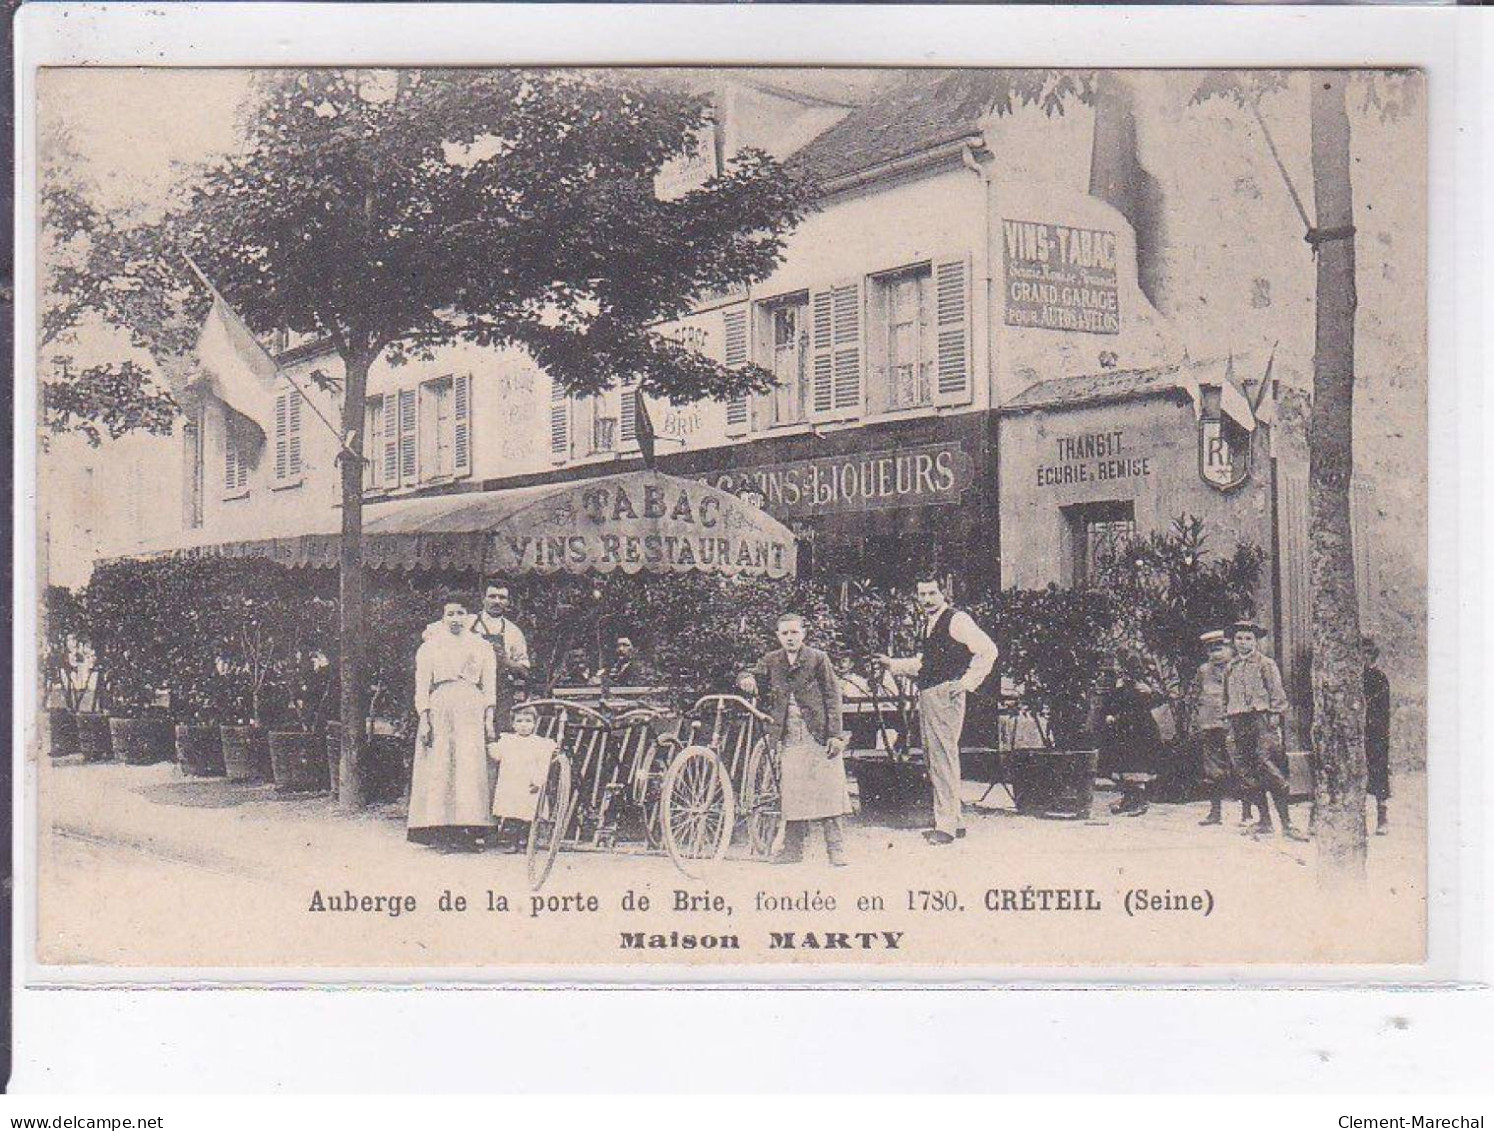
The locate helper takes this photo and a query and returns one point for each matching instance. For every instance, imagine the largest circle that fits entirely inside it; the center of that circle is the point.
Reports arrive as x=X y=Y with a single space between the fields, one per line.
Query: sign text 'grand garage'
x=1061 y=278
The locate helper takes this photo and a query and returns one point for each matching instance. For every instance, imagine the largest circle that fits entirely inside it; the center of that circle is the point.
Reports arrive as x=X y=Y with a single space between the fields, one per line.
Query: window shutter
x=835 y=341
x=373 y=441
x=627 y=417
x=230 y=462
x=560 y=422
x=407 y=421
x=734 y=356
x=461 y=417
x=282 y=446
x=389 y=439
x=192 y=432
x=293 y=433
x=952 y=383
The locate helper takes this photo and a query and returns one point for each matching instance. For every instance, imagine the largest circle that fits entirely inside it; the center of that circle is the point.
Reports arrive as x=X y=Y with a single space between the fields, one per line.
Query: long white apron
x=451 y=782
x=813 y=784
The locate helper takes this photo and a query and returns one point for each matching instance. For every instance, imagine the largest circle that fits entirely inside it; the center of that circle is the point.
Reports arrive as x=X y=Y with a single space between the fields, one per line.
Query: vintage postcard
x=657 y=523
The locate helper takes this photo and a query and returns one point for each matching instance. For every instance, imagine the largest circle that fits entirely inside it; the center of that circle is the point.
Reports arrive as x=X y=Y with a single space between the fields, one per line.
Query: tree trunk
x=1338 y=668
x=351 y=793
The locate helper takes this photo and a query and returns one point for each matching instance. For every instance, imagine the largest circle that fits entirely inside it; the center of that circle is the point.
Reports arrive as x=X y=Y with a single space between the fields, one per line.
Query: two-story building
x=970 y=372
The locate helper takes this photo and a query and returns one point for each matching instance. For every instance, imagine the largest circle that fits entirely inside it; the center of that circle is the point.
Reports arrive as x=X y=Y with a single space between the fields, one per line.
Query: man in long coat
x=801 y=693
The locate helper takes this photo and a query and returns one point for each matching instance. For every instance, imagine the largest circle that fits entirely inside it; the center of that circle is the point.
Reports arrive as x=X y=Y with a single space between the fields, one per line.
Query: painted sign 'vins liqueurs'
x=930 y=473
x=1061 y=278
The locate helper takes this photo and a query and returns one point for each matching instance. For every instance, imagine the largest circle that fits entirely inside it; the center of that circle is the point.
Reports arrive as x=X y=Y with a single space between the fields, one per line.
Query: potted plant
x=259 y=625
x=398 y=615
x=890 y=786
x=140 y=732
x=246 y=751
x=1168 y=588
x=66 y=660
x=298 y=755
x=133 y=646
x=1053 y=643
x=95 y=741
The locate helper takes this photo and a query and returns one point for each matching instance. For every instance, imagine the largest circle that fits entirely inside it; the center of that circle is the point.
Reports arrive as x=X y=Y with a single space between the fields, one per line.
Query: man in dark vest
x=954 y=657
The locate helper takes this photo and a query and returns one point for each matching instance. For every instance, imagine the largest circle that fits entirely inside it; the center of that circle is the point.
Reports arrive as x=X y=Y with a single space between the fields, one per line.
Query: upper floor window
x=238 y=457
x=613 y=416
x=784 y=333
x=918 y=337
x=419 y=435
x=434 y=433
x=288 y=417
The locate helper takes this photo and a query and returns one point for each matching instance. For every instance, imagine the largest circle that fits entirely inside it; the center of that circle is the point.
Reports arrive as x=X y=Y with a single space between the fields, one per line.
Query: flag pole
x=1260 y=394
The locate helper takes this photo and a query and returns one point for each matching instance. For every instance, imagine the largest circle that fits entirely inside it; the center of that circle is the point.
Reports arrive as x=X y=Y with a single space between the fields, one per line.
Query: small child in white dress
x=523 y=759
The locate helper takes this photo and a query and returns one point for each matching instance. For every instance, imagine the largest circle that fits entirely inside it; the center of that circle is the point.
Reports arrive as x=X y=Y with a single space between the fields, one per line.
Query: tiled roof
x=914 y=112
x=1120 y=384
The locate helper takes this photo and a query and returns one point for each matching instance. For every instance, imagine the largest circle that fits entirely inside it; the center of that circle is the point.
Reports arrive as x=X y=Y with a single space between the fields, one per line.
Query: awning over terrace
x=633 y=522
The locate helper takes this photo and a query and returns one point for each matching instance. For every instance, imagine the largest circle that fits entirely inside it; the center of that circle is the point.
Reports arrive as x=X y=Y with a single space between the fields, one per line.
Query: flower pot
x=334 y=755
x=142 y=742
x=199 y=751
x=94 y=740
x=246 y=753
x=298 y=762
x=383 y=764
x=894 y=793
x=1053 y=783
x=62 y=732
x=387 y=774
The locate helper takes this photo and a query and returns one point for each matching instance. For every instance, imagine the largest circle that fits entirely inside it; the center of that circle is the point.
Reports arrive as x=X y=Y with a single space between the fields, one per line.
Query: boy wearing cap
x=1254 y=700
x=1209 y=719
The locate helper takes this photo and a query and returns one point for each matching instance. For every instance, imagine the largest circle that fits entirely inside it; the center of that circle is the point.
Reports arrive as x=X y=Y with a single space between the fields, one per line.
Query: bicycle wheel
x=698 y=810
x=552 y=813
x=763 y=799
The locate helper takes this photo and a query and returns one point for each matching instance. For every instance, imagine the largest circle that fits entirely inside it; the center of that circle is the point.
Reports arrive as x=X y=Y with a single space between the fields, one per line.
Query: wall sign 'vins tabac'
x=1061 y=278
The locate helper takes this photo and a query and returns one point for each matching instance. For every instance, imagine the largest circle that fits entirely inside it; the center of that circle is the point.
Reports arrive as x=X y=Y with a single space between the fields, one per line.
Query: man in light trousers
x=954 y=658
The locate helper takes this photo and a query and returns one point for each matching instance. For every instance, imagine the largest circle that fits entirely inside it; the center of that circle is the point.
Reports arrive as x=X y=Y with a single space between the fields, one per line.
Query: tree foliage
x=1052 y=644
x=67 y=643
x=107 y=276
x=1168 y=588
x=408 y=210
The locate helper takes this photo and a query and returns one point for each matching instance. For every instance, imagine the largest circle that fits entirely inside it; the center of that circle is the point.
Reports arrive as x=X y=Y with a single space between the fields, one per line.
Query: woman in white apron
x=451 y=785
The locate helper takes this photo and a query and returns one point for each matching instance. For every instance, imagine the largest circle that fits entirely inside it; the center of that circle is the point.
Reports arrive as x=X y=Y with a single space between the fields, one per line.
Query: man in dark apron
x=495 y=625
